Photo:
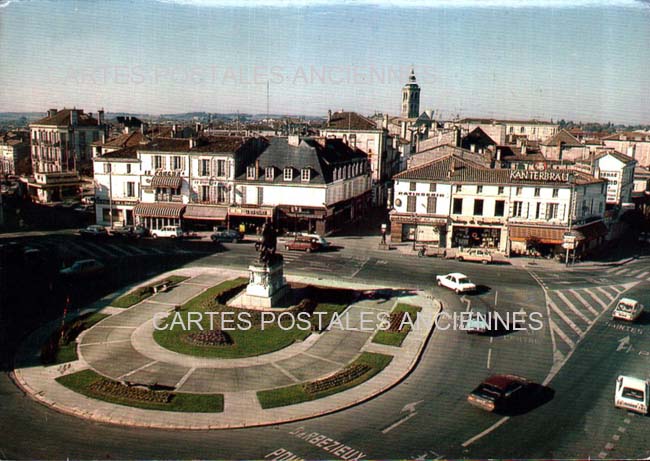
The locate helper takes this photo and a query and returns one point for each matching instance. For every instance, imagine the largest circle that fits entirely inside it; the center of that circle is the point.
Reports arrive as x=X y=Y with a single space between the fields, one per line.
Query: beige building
x=635 y=144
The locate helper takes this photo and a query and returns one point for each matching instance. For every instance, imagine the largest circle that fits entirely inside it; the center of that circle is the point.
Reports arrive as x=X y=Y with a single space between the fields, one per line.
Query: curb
x=17 y=377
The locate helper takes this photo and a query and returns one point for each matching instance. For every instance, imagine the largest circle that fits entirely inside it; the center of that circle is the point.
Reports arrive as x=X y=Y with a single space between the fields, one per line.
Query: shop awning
x=205 y=212
x=592 y=231
x=547 y=235
x=159 y=210
x=173 y=182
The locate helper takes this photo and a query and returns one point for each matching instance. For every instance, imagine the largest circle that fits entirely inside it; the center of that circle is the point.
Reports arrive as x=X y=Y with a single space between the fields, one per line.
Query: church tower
x=411 y=98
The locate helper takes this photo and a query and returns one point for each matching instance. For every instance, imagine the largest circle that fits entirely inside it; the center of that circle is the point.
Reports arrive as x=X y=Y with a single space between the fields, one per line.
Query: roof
x=641 y=172
x=617 y=155
x=477 y=137
x=502 y=381
x=350 y=121
x=453 y=168
x=628 y=136
x=562 y=137
x=310 y=153
x=62 y=118
x=135 y=138
x=202 y=144
x=508 y=121
x=130 y=152
x=635 y=383
x=167 y=145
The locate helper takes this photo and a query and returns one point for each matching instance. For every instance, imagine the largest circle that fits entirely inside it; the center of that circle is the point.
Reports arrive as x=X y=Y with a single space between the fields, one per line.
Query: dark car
x=222 y=234
x=83 y=268
x=303 y=243
x=130 y=232
x=498 y=392
x=94 y=231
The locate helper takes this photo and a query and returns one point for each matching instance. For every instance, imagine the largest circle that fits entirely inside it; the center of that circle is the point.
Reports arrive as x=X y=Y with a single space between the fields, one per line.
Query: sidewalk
x=121 y=346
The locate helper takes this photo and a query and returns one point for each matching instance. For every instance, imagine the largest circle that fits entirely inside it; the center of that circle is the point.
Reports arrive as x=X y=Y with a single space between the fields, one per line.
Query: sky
x=581 y=60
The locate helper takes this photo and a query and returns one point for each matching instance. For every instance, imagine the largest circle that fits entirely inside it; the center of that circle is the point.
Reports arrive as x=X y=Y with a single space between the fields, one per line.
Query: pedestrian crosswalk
x=573 y=311
x=631 y=271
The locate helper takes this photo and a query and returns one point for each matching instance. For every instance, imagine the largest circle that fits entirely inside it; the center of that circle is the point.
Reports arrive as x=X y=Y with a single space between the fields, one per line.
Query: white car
x=167 y=231
x=628 y=309
x=632 y=394
x=456 y=281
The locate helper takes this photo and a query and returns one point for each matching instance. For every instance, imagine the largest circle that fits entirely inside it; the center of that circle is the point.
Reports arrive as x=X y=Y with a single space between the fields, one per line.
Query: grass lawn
x=62 y=348
x=246 y=342
x=396 y=338
x=142 y=293
x=82 y=381
x=296 y=393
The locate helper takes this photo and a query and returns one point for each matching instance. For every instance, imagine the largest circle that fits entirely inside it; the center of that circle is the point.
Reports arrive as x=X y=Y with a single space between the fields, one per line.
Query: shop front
x=158 y=215
x=249 y=220
x=204 y=217
x=420 y=229
x=477 y=236
x=303 y=219
x=544 y=240
x=122 y=211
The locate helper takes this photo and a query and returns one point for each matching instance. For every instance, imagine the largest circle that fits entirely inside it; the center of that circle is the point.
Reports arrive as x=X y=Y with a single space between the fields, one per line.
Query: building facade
x=14 y=155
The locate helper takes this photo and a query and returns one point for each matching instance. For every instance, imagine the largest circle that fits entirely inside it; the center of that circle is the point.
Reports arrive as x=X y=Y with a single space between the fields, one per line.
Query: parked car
x=85 y=208
x=474 y=254
x=498 y=392
x=628 y=309
x=167 y=231
x=223 y=234
x=131 y=232
x=302 y=243
x=456 y=281
x=94 y=231
x=83 y=268
x=632 y=394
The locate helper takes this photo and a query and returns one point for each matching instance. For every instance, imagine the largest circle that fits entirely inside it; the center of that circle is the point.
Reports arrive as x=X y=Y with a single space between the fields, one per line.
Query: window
x=551 y=210
x=305 y=175
x=479 y=189
x=205 y=193
x=458 y=206
x=288 y=174
x=158 y=162
x=269 y=173
x=537 y=192
x=499 y=207
x=251 y=172
x=517 y=208
x=501 y=190
x=413 y=186
x=222 y=193
x=538 y=209
x=260 y=195
x=221 y=168
x=205 y=167
x=432 y=187
x=431 y=205
x=410 y=204
x=519 y=190
x=176 y=162
x=130 y=189
x=478 y=207
x=128 y=168
x=459 y=187
x=107 y=168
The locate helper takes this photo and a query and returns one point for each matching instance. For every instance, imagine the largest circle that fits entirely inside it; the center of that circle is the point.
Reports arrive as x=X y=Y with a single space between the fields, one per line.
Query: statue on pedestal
x=268 y=245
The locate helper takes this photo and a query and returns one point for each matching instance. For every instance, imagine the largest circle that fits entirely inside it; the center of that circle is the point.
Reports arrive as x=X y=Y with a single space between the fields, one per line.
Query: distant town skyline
x=585 y=60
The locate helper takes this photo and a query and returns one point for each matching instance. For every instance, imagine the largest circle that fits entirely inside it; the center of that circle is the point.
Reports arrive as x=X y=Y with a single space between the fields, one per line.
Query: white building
x=618 y=169
x=635 y=144
x=505 y=131
x=117 y=186
x=453 y=202
x=14 y=155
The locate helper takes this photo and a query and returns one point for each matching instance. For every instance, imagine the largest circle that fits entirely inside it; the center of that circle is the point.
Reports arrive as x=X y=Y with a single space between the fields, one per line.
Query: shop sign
x=255 y=212
x=536 y=175
x=423 y=194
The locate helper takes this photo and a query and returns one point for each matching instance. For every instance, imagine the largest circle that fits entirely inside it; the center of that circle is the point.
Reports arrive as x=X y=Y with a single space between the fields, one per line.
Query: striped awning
x=592 y=231
x=173 y=182
x=205 y=212
x=159 y=210
x=547 y=235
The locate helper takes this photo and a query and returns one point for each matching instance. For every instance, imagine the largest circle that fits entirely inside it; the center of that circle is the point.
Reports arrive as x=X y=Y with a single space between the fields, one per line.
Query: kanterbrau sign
x=532 y=175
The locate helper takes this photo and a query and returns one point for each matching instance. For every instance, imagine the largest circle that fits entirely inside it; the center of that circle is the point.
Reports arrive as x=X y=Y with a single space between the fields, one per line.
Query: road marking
x=621 y=429
x=118 y=249
x=566 y=319
x=470 y=441
x=496 y=297
x=285 y=372
x=411 y=406
x=321 y=358
x=185 y=378
x=561 y=334
x=360 y=267
x=132 y=372
x=570 y=305
x=100 y=249
x=606 y=293
x=135 y=249
x=602 y=455
x=583 y=301
x=467 y=301
x=616 y=437
x=105 y=342
x=489 y=357
x=398 y=422
x=598 y=300
x=609 y=446
x=623 y=343
x=640 y=276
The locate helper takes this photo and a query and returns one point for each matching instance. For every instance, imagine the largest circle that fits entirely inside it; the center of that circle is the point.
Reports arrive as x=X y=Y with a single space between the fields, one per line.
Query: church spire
x=411 y=97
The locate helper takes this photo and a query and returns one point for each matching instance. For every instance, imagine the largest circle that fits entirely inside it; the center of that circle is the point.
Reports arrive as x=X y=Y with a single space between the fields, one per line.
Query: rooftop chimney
x=192 y=142
x=100 y=117
x=74 y=117
x=498 y=155
x=51 y=112
x=293 y=140
x=329 y=116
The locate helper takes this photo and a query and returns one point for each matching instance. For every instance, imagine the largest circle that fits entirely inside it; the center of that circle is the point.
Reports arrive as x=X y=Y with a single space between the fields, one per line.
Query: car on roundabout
x=479 y=320
x=499 y=392
x=627 y=309
x=223 y=234
x=130 y=232
x=83 y=268
x=632 y=394
x=94 y=231
x=456 y=281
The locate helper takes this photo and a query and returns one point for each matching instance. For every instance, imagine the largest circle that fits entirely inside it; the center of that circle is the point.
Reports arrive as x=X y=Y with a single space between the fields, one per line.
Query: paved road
x=436 y=423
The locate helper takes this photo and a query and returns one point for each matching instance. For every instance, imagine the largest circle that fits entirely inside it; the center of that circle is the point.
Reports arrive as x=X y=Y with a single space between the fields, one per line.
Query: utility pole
x=110 y=193
x=571 y=208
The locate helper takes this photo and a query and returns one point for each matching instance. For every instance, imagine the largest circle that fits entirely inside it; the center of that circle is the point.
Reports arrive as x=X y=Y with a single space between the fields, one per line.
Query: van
x=167 y=231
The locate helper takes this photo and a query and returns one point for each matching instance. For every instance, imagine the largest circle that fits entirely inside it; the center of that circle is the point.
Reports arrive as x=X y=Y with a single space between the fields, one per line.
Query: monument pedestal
x=265 y=288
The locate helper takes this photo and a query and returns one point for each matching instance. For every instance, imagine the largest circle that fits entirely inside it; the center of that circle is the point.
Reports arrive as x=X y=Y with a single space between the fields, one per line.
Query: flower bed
x=394 y=335
x=214 y=337
x=122 y=391
x=344 y=376
x=140 y=294
x=61 y=345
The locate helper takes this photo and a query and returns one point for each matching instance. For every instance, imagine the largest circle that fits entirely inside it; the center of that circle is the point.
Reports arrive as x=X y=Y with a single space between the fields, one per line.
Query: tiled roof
x=167 y=145
x=512 y=122
x=562 y=137
x=628 y=136
x=124 y=140
x=62 y=118
x=617 y=155
x=350 y=121
x=130 y=152
x=219 y=143
x=479 y=138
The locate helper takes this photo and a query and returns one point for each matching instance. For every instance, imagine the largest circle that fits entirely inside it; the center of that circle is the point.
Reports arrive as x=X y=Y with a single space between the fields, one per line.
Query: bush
x=348 y=374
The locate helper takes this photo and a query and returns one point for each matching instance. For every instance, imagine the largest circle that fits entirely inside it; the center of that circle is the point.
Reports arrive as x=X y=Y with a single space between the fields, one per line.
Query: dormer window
x=305 y=175
x=251 y=172
x=288 y=174
x=269 y=173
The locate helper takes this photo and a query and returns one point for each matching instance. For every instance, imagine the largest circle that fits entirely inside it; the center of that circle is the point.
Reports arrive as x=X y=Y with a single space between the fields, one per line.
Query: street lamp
x=572 y=182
